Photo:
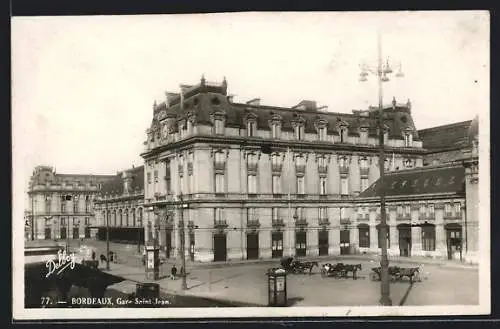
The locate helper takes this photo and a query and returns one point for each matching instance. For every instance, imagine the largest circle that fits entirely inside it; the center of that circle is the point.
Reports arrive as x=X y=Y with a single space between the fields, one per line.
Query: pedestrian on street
x=93 y=255
x=173 y=272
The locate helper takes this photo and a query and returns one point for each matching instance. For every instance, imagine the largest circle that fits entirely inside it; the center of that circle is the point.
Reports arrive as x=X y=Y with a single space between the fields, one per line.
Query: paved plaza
x=246 y=283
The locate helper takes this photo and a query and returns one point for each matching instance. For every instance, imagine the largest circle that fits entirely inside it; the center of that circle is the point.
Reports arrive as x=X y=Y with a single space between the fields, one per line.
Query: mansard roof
x=203 y=101
x=47 y=174
x=115 y=185
x=450 y=136
x=422 y=180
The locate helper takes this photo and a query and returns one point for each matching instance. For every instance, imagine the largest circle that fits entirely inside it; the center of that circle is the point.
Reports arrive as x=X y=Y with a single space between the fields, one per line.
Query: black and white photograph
x=264 y=164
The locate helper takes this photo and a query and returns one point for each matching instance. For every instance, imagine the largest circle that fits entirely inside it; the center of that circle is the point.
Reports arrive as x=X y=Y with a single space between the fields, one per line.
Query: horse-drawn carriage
x=340 y=270
x=397 y=273
x=295 y=266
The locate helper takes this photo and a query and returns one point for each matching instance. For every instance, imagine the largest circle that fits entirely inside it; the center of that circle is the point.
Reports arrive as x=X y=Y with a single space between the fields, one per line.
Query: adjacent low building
x=119 y=207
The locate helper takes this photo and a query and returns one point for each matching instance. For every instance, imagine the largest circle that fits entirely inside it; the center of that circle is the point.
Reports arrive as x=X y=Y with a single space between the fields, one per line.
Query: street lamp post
x=183 y=241
x=107 y=232
x=382 y=71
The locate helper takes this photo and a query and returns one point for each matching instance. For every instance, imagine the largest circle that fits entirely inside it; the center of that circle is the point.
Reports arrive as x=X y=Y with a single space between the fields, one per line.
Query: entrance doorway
x=168 y=243
x=87 y=232
x=220 y=251
x=63 y=233
x=323 y=242
x=277 y=244
x=300 y=244
x=253 y=246
x=454 y=241
x=345 y=242
x=76 y=232
x=404 y=240
x=48 y=233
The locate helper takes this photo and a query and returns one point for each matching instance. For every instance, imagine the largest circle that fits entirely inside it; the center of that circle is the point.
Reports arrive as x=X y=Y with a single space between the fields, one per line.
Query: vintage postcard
x=270 y=164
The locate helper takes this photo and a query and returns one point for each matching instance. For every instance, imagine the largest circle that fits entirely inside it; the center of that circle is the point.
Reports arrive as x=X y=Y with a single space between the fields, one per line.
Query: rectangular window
x=63 y=204
x=299 y=132
x=400 y=210
x=323 y=213
x=429 y=238
x=322 y=134
x=219 y=126
x=344 y=186
x=251 y=128
x=300 y=185
x=190 y=183
x=156 y=176
x=364 y=184
x=87 y=221
x=322 y=185
x=252 y=184
x=48 y=205
x=275 y=130
x=219 y=183
x=148 y=175
x=423 y=209
x=63 y=221
x=447 y=208
x=75 y=204
x=458 y=210
x=364 y=237
x=430 y=210
x=275 y=214
x=276 y=184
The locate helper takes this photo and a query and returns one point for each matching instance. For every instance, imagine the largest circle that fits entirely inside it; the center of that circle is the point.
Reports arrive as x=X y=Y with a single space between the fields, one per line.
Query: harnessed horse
x=351 y=268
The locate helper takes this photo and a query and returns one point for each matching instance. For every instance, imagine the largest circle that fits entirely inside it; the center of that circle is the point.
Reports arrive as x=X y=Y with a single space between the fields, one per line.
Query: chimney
x=255 y=101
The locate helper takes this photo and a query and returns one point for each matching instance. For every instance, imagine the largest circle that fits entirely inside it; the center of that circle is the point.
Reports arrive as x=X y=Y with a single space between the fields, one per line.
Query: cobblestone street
x=247 y=283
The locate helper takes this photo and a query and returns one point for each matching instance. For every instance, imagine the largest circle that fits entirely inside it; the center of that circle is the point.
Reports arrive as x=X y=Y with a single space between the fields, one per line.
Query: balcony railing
x=220 y=224
x=364 y=171
x=452 y=216
x=253 y=223
x=278 y=222
x=301 y=222
x=344 y=170
x=425 y=217
x=403 y=217
x=323 y=221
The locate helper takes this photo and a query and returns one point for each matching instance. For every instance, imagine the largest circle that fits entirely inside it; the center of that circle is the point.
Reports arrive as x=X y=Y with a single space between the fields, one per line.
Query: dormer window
x=408 y=138
x=251 y=128
x=363 y=134
x=299 y=132
x=322 y=134
x=275 y=125
x=343 y=134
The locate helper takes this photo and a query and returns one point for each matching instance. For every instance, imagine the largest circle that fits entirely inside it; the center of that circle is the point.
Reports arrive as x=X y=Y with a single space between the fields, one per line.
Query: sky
x=83 y=87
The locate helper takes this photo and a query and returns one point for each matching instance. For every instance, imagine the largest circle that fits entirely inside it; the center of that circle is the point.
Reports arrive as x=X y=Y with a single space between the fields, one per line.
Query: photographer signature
x=62 y=262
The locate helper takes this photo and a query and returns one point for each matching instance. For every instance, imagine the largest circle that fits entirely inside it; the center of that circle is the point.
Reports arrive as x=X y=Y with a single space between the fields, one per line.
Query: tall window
x=139 y=217
x=251 y=214
x=75 y=204
x=344 y=186
x=87 y=221
x=364 y=184
x=364 y=236
x=252 y=183
x=447 y=209
x=219 y=126
x=48 y=204
x=219 y=183
x=63 y=203
x=322 y=134
x=276 y=184
x=63 y=221
x=458 y=211
x=148 y=175
x=87 y=203
x=276 y=130
x=299 y=132
x=218 y=214
x=430 y=210
x=322 y=185
x=275 y=214
x=156 y=176
x=300 y=185
x=407 y=140
x=343 y=135
x=251 y=128
x=190 y=182
x=322 y=213
x=429 y=238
